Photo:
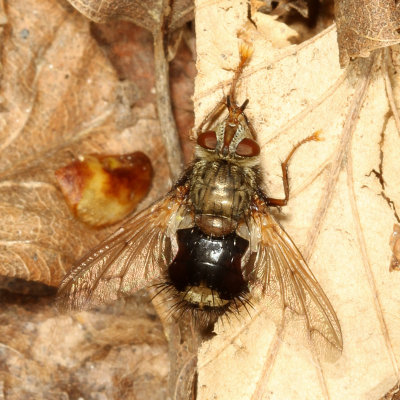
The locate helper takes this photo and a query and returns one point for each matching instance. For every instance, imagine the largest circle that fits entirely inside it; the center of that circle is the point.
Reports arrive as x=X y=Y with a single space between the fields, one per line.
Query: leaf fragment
x=364 y=26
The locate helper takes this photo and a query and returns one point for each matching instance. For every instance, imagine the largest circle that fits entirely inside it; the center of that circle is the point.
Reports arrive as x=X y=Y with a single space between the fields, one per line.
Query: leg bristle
x=246 y=50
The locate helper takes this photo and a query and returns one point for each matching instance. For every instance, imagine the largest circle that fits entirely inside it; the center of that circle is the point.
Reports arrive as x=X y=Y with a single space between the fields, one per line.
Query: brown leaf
x=393 y=393
x=118 y=352
x=73 y=103
x=182 y=74
x=336 y=214
x=161 y=18
x=60 y=98
x=364 y=26
x=148 y=14
x=130 y=50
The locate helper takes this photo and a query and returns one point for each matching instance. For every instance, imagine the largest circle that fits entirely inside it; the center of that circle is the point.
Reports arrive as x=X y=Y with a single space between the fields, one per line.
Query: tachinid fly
x=211 y=242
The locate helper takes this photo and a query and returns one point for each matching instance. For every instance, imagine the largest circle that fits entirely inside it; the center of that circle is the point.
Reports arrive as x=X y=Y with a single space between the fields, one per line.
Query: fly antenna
x=244 y=105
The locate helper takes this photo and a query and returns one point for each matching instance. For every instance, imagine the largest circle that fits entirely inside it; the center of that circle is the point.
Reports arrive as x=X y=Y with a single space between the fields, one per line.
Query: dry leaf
x=364 y=26
x=60 y=99
x=161 y=18
x=118 y=352
x=133 y=59
x=393 y=393
x=148 y=14
x=336 y=214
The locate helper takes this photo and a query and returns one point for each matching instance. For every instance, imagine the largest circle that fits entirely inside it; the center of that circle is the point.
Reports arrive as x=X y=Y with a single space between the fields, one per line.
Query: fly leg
x=211 y=116
x=285 y=168
x=245 y=52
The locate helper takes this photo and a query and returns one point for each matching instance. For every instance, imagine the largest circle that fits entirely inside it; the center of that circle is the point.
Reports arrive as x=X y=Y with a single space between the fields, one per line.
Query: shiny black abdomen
x=209 y=262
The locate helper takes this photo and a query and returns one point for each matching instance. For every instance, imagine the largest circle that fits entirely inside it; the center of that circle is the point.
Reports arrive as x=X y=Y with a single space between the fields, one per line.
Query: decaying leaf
x=117 y=352
x=364 y=26
x=149 y=14
x=393 y=394
x=60 y=98
x=336 y=214
x=161 y=18
x=102 y=190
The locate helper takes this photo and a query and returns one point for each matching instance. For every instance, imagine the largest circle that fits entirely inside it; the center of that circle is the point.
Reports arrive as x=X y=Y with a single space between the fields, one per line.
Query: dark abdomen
x=207 y=271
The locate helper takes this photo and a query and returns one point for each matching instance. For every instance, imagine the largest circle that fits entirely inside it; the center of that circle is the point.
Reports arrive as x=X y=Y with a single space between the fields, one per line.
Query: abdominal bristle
x=202 y=317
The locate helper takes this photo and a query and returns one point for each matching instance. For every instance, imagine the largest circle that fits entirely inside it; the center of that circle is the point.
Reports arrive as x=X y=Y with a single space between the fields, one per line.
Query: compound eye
x=207 y=140
x=248 y=148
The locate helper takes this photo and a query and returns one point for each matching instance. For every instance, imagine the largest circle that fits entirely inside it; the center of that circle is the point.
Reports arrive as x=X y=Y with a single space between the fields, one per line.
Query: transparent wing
x=128 y=260
x=280 y=273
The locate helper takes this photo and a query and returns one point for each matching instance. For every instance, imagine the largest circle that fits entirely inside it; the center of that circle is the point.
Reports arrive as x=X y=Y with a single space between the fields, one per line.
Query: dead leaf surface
x=161 y=18
x=364 y=26
x=65 y=94
x=115 y=352
x=147 y=14
x=60 y=97
x=336 y=215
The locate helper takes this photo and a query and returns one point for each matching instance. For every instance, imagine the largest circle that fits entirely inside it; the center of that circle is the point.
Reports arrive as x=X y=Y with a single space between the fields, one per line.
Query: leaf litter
x=336 y=213
x=60 y=97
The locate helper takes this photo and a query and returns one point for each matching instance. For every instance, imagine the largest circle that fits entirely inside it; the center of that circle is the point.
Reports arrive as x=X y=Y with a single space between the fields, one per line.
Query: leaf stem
x=167 y=122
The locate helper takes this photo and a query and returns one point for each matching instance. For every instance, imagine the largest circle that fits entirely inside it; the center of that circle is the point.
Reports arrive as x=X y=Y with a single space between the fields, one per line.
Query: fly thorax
x=220 y=195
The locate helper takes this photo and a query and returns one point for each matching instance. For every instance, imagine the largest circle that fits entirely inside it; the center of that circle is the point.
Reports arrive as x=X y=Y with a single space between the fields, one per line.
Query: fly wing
x=279 y=270
x=130 y=259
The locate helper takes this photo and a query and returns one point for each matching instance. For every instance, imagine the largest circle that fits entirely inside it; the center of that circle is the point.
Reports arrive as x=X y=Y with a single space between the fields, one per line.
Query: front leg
x=285 y=168
x=211 y=116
